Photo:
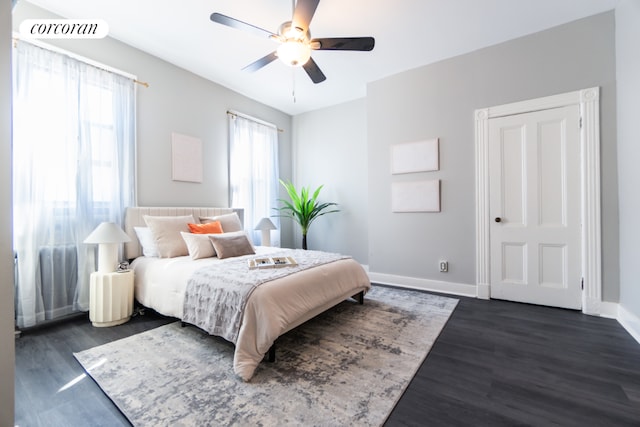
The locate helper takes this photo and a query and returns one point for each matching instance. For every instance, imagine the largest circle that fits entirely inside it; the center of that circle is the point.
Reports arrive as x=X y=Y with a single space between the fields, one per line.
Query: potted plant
x=304 y=207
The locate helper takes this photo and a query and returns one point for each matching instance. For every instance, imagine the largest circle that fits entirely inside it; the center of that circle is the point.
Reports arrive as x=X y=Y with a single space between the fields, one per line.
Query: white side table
x=110 y=298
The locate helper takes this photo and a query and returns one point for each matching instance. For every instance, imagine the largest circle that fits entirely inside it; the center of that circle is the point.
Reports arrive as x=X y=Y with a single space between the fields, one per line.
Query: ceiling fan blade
x=314 y=72
x=265 y=60
x=303 y=13
x=344 y=43
x=234 y=23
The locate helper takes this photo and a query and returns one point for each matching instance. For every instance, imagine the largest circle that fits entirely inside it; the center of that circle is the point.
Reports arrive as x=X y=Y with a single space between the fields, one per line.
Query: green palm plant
x=304 y=207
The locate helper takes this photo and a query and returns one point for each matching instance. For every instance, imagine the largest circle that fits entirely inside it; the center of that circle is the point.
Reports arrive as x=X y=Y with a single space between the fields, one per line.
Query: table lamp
x=265 y=225
x=108 y=236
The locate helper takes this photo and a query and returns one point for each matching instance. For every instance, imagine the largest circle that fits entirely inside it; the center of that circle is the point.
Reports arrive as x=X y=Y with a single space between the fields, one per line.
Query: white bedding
x=272 y=309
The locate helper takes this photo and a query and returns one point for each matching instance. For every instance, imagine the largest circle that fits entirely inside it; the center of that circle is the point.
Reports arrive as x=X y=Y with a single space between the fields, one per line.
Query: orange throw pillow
x=210 y=228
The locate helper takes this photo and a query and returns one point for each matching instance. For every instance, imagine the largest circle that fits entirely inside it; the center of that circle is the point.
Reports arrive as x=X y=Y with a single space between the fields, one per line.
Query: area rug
x=348 y=366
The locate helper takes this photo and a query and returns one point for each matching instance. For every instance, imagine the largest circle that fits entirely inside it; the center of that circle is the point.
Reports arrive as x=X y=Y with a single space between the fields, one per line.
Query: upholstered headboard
x=134 y=217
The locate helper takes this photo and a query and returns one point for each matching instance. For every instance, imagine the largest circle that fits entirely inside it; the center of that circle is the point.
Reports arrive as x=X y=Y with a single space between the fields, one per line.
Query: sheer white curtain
x=73 y=167
x=254 y=173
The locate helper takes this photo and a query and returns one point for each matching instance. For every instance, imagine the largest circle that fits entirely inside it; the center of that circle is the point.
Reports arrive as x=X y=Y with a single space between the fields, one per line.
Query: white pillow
x=199 y=245
x=229 y=222
x=148 y=243
x=166 y=232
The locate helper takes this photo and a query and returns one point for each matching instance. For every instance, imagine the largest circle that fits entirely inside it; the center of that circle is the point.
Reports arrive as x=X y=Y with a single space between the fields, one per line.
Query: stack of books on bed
x=272 y=262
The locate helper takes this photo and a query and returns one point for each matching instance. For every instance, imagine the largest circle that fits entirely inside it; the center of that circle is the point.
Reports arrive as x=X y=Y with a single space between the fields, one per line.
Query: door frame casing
x=591 y=251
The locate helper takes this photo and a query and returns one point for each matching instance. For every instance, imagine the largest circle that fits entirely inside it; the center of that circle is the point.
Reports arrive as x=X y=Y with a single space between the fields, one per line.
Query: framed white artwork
x=419 y=156
x=186 y=158
x=415 y=196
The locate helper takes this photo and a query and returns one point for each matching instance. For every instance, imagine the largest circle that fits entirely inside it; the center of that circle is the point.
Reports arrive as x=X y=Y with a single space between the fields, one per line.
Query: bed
x=281 y=300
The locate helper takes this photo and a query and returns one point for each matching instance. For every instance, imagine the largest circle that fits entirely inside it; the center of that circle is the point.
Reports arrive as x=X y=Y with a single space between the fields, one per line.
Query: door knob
x=498 y=219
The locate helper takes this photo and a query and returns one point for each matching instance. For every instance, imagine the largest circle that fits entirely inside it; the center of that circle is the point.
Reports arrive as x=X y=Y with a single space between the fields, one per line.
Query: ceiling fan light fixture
x=295 y=40
x=294 y=53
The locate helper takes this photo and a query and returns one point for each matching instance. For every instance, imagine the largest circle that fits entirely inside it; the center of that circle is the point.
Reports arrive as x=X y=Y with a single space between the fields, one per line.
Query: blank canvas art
x=415 y=196
x=186 y=158
x=420 y=156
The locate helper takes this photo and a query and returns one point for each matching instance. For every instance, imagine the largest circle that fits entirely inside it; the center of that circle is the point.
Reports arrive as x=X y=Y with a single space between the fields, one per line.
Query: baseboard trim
x=607 y=309
x=461 y=289
x=630 y=322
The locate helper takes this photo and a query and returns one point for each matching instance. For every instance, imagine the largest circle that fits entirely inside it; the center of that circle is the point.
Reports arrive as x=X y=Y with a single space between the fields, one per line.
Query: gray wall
x=628 y=69
x=330 y=147
x=176 y=101
x=7 y=342
x=438 y=100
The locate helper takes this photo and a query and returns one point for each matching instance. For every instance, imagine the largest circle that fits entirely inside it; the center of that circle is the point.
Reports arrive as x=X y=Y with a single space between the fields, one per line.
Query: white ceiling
x=408 y=33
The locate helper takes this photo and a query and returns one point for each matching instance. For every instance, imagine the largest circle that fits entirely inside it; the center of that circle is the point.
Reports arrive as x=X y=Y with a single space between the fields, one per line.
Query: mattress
x=272 y=309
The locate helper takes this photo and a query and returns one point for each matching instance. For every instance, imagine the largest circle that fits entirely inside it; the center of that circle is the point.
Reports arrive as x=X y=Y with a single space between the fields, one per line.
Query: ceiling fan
x=295 y=40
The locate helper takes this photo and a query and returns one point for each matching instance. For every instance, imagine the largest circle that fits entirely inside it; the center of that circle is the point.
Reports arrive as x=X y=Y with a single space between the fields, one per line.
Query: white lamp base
x=266 y=238
x=107 y=257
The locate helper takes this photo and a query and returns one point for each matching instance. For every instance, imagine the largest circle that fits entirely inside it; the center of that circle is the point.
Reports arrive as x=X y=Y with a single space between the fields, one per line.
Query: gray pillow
x=229 y=245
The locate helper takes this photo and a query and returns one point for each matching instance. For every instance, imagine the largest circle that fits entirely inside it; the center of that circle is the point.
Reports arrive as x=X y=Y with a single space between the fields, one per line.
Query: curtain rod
x=80 y=58
x=253 y=119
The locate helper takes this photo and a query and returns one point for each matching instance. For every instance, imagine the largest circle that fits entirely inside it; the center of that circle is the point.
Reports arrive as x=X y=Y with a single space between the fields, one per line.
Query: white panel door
x=535 y=207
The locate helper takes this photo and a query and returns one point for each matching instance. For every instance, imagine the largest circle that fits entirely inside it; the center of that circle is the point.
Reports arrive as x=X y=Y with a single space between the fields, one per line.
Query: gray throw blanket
x=216 y=295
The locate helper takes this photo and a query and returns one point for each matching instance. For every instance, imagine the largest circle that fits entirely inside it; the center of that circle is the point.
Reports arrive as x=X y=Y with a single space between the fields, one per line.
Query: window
x=253 y=172
x=73 y=168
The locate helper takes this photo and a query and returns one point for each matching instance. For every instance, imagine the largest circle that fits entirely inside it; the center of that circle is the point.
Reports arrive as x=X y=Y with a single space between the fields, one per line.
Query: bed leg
x=272 y=353
x=359 y=297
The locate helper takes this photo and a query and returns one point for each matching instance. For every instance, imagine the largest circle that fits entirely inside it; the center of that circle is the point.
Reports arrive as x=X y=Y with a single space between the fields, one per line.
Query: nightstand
x=110 y=298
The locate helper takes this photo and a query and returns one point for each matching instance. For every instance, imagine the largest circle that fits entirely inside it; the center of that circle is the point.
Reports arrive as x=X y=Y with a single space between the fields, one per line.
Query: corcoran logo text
x=64 y=28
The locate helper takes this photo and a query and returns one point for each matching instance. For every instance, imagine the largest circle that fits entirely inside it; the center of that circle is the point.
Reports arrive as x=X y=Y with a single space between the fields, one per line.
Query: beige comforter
x=273 y=308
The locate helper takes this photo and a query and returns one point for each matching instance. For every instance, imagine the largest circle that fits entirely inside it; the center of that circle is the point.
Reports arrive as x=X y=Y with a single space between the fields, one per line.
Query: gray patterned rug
x=348 y=366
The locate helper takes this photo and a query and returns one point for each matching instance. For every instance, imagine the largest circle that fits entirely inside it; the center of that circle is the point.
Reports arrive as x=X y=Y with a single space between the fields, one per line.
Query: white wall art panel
x=416 y=196
x=420 y=156
x=186 y=158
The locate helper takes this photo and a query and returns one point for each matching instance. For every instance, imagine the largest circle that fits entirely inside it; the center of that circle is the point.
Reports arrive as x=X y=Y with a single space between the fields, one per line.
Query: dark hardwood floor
x=495 y=363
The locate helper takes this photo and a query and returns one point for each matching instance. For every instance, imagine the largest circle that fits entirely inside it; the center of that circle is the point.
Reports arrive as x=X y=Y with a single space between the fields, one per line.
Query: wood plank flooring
x=496 y=363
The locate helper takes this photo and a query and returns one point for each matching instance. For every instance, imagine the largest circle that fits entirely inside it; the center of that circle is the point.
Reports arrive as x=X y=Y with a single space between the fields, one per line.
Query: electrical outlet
x=444 y=266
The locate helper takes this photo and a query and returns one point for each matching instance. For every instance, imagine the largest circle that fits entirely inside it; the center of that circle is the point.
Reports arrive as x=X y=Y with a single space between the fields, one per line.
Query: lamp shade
x=107 y=232
x=265 y=224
